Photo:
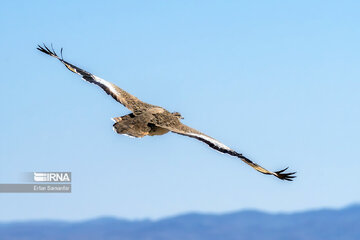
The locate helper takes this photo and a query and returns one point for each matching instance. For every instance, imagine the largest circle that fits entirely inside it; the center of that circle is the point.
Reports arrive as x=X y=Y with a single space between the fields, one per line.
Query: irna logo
x=52 y=176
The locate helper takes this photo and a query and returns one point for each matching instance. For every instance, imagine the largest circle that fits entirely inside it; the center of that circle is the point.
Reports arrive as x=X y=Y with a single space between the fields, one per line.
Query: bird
x=149 y=120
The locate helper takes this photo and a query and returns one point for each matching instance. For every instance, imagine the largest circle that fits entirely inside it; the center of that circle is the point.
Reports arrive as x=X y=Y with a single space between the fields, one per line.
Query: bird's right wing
x=215 y=144
x=123 y=97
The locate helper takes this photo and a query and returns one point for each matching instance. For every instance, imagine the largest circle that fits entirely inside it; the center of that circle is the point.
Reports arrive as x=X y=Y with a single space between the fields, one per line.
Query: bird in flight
x=150 y=120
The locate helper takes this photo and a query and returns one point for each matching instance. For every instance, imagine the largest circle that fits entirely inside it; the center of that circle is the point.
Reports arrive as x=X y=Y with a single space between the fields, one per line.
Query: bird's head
x=177 y=114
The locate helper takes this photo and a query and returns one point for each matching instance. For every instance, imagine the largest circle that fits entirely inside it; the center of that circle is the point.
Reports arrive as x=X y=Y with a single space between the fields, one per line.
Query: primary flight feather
x=150 y=120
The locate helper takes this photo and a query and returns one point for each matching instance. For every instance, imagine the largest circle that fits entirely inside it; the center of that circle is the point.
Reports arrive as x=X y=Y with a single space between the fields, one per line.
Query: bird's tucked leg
x=123 y=118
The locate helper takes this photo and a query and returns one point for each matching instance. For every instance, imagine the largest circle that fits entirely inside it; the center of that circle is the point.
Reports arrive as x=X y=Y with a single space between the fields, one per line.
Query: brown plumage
x=150 y=120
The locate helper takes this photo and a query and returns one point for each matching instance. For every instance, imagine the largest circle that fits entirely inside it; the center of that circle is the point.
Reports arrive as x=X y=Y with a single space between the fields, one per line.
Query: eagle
x=150 y=120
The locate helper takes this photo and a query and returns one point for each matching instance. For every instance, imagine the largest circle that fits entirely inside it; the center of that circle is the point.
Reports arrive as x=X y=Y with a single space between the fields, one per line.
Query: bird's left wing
x=120 y=95
x=215 y=144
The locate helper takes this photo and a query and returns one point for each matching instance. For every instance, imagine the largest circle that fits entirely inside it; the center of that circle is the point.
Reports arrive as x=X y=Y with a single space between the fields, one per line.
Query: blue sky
x=275 y=80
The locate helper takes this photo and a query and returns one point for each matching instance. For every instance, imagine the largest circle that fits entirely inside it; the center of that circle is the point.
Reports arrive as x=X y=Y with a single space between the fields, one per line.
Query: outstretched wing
x=123 y=97
x=215 y=144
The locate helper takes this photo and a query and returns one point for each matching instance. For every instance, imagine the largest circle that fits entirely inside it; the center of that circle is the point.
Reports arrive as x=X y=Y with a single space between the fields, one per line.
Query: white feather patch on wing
x=105 y=83
x=215 y=142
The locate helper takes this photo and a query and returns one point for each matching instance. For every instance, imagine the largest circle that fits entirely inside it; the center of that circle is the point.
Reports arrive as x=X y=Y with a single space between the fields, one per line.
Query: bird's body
x=141 y=125
x=150 y=120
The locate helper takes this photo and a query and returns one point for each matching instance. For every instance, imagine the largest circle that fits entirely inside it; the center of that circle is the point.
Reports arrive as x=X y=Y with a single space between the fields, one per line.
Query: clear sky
x=275 y=80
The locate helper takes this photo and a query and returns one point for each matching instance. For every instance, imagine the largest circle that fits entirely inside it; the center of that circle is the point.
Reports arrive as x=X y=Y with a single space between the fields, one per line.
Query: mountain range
x=324 y=224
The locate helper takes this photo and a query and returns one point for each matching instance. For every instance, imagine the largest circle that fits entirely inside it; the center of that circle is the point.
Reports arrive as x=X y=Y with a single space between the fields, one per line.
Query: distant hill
x=324 y=224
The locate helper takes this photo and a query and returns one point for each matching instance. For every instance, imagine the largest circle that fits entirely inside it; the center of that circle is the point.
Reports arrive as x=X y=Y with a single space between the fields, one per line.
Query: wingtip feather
x=285 y=176
x=47 y=51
